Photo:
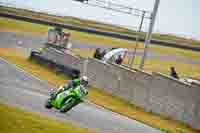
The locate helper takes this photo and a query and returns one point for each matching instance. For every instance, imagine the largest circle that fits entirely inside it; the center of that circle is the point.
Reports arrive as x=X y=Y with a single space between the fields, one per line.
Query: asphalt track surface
x=29 y=41
x=18 y=88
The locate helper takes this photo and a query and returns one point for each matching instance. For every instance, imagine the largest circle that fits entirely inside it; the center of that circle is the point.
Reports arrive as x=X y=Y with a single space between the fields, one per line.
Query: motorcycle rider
x=83 y=81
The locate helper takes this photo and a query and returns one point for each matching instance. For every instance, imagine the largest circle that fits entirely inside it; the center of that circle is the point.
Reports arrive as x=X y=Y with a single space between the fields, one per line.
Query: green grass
x=15 y=120
x=99 y=26
x=69 y=20
x=96 y=96
x=176 y=52
x=84 y=53
x=21 y=27
x=183 y=69
x=180 y=40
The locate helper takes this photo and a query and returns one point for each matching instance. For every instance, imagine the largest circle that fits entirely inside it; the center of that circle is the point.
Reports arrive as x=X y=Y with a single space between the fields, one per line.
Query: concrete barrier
x=153 y=92
x=175 y=99
x=142 y=89
x=64 y=58
x=119 y=81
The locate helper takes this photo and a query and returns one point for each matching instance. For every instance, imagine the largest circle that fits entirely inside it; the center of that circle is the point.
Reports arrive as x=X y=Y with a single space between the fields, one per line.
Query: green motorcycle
x=66 y=100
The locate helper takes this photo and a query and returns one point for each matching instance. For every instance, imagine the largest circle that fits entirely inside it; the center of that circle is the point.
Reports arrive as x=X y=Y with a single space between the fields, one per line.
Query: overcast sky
x=179 y=17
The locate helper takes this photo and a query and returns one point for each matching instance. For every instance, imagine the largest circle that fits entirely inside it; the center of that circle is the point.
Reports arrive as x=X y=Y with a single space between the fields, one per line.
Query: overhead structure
x=117 y=7
x=149 y=33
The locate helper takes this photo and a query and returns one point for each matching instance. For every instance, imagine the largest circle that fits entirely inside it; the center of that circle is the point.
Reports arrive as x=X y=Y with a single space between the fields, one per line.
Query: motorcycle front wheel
x=48 y=104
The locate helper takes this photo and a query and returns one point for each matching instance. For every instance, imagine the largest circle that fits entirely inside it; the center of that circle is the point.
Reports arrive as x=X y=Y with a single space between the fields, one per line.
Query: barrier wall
x=119 y=81
x=153 y=92
x=59 y=57
x=176 y=99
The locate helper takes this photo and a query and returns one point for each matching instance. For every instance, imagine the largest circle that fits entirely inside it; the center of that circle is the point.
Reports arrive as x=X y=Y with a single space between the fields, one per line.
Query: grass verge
x=97 y=96
x=25 y=27
x=97 y=25
x=67 y=20
x=183 y=69
x=175 y=51
x=14 y=120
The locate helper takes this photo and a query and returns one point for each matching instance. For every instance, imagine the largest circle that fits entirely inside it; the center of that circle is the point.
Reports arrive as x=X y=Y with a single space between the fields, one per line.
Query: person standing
x=119 y=59
x=173 y=73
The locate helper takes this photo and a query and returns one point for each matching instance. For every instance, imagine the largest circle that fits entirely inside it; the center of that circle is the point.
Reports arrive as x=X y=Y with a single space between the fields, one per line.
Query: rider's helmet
x=84 y=81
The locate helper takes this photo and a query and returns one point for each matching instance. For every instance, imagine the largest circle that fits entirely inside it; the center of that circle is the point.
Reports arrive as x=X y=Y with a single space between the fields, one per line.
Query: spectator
x=119 y=60
x=103 y=53
x=173 y=73
x=97 y=54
